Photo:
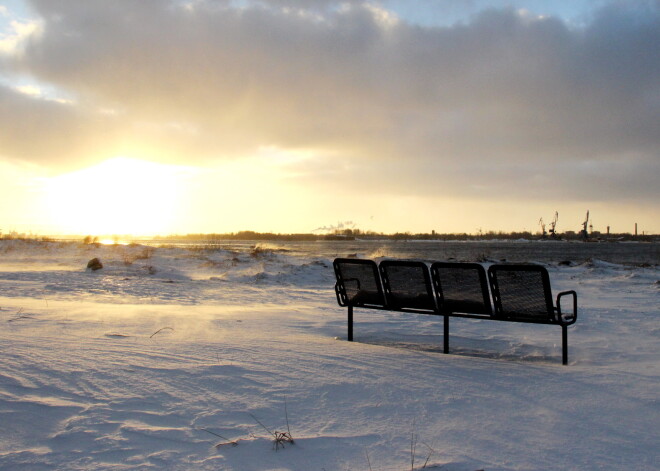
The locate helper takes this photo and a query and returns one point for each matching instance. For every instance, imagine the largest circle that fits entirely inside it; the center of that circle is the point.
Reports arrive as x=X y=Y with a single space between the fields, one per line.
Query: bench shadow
x=491 y=349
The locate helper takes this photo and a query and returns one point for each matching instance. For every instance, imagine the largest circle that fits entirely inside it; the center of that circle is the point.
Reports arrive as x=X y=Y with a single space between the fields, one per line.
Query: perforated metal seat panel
x=522 y=291
x=407 y=285
x=461 y=287
x=359 y=282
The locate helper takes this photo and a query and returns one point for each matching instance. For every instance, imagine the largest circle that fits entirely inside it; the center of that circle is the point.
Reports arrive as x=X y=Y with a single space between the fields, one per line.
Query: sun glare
x=118 y=196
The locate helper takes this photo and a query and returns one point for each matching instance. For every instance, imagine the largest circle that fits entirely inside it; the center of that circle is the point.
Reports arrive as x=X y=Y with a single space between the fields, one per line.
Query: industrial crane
x=542 y=224
x=553 y=226
x=584 y=233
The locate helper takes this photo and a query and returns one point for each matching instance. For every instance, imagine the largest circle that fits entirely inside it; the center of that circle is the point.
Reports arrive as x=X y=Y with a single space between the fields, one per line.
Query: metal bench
x=521 y=292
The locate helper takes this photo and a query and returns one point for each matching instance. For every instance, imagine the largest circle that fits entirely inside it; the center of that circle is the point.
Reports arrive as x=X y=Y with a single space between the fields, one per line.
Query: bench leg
x=350 y=323
x=446 y=335
x=564 y=345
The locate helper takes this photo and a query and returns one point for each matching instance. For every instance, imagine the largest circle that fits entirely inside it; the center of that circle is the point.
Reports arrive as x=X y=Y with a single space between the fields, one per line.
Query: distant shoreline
x=348 y=235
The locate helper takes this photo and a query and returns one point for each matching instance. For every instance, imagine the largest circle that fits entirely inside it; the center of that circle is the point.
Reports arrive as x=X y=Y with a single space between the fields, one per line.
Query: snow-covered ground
x=170 y=358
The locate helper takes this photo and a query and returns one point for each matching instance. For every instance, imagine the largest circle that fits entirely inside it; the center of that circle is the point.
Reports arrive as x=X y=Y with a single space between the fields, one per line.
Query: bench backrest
x=358 y=283
x=521 y=292
x=461 y=287
x=407 y=285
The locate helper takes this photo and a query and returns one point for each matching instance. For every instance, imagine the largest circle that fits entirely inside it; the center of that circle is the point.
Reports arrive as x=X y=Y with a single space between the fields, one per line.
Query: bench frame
x=381 y=296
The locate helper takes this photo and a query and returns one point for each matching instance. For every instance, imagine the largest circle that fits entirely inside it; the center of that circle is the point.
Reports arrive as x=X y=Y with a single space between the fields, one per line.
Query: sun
x=118 y=196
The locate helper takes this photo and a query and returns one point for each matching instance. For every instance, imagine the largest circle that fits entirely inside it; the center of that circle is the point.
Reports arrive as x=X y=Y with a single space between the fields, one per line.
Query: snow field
x=137 y=368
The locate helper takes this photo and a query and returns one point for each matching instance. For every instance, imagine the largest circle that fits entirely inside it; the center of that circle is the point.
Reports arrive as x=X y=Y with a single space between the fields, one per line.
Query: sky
x=189 y=116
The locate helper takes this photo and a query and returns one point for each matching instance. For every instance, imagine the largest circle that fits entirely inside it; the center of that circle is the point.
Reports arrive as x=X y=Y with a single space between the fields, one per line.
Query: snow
x=148 y=362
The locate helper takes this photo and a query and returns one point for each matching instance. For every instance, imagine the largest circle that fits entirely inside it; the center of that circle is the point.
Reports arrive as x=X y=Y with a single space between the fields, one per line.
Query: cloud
x=513 y=101
x=19 y=32
x=34 y=128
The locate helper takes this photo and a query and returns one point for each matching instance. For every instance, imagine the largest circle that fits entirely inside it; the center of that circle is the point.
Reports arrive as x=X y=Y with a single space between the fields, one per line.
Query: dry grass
x=19 y=316
x=160 y=330
x=226 y=440
x=280 y=439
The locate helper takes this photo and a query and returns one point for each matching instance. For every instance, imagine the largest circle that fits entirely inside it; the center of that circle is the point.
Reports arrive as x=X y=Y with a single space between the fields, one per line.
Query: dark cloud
x=506 y=97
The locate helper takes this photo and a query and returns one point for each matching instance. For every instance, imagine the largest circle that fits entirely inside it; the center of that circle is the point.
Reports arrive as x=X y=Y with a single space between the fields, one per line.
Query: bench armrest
x=338 y=293
x=569 y=318
x=341 y=293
